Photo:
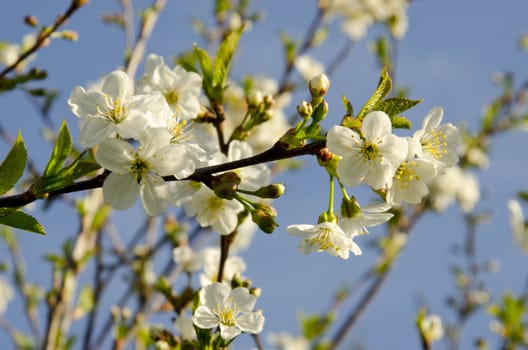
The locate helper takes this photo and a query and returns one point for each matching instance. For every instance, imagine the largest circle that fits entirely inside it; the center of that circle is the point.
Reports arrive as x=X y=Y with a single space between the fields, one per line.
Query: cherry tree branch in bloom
x=44 y=34
x=277 y=152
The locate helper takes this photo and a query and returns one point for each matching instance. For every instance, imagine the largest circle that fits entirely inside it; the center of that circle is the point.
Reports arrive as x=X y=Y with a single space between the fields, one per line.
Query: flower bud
x=255 y=99
x=225 y=185
x=269 y=101
x=319 y=85
x=270 y=191
x=350 y=207
x=31 y=21
x=263 y=215
x=305 y=109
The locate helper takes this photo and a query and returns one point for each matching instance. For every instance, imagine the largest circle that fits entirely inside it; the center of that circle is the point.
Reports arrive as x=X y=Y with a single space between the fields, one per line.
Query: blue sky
x=447 y=58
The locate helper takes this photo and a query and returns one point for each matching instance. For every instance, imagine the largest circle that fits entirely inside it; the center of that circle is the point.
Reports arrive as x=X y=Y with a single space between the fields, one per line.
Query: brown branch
x=45 y=34
x=277 y=152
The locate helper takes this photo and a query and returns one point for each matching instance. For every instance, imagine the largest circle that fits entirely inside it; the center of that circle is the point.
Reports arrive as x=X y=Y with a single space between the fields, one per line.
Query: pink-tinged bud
x=319 y=85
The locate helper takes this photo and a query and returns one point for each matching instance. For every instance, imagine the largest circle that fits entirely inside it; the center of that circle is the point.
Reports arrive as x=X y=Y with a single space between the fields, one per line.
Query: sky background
x=447 y=58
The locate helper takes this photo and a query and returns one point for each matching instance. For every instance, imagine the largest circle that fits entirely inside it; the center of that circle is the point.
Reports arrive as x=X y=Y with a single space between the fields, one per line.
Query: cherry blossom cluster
x=400 y=169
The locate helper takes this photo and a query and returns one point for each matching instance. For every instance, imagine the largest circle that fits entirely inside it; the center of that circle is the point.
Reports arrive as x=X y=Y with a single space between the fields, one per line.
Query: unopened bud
x=31 y=20
x=269 y=101
x=225 y=185
x=256 y=292
x=305 y=109
x=350 y=208
x=270 y=191
x=161 y=345
x=319 y=85
x=263 y=216
x=70 y=35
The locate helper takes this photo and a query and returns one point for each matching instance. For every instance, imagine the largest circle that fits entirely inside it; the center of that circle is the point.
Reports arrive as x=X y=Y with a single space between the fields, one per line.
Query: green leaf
x=383 y=89
x=206 y=67
x=491 y=113
x=60 y=152
x=349 y=110
x=21 y=220
x=224 y=56
x=400 y=122
x=396 y=105
x=13 y=165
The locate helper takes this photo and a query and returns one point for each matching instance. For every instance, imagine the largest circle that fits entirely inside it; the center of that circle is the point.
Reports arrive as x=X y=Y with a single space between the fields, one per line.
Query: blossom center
x=370 y=150
x=180 y=130
x=139 y=167
x=323 y=239
x=226 y=314
x=117 y=113
x=172 y=97
x=435 y=144
x=406 y=173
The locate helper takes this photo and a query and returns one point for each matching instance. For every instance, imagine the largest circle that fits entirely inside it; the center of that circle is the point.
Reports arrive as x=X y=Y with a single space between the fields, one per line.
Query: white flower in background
x=210 y=210
x=234 y=265
x=6 y=294
x=184 y=326
x=439 y=142
x=187 y=259
x=518 y=224
x=372 y=157
x=114 y=109
x=245 y=232
x=308 y=67
x=409 y=183
x=229 y=309
x=140 y=172
x=326 y=236
x=9 y=53
x=180 y=88
x=356 y=222
x=286 y=341
x=359 y=15
x=432 y=328
x=454 y=184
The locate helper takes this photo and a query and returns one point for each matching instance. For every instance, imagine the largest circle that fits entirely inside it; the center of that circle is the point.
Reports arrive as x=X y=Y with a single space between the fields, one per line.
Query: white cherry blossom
x=229 y=309
x=139 y=172
x=180 y=88
x=326 y=236
x=114 y=109
x=372 y=156
x=372 y=214
x=439 y=142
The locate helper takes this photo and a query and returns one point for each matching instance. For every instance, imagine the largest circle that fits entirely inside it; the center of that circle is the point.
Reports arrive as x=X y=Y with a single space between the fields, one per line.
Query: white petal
x=118 y=85
x=243 y=299
x=299 y=230
x=376 y=125
x=351 y=170
x=95 y=130
x=155 y=195
x=214 y=294
x=433 y=118
x=115 y=155
x=84 y=103
x=341 y=140
x=121 y=191
x=251 y=322
x=229 y=332
x=204 y=318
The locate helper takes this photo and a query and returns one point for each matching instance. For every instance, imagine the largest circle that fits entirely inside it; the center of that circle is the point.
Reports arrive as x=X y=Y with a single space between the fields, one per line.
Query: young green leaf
x=23 y=221
x=395 y=105
x=400 y=122
x=383 y=89
x=224 y=56
x=206 y=67
x=13 y=165
x=60 y=152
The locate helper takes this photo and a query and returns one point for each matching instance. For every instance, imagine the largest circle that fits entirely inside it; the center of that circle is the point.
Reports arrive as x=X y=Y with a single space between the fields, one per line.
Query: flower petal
x=204 y=318
x=251 y=322
x=115 y=155
x=121 y=191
